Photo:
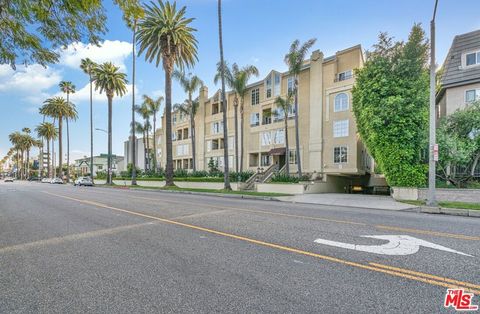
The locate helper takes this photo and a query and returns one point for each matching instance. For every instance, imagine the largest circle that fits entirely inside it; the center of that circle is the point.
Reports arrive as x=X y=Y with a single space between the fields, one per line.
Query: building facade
x=329 y=143
x=142 y=155
x=100 y=162
x=460 y=82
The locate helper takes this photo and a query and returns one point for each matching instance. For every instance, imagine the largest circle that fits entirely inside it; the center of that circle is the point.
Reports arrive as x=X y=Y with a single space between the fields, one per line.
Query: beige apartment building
x=329 y=143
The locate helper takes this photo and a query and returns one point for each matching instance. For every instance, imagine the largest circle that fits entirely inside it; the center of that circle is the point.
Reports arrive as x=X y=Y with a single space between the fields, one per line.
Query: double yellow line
x=394 y=271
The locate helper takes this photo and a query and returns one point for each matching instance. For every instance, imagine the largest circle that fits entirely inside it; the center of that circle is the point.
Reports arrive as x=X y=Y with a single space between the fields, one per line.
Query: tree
x=145 y=113
x=108 y=79
x=47 y=131
x=294 y=60
x=133 y=11
x=154 y=107
x=27 y=143
x=390 y=103
x=31 y=31
x=190 y=84
x=68 y=88
x=165 y=35
x=285 y=105
x=237 y=79
x=88 y=67
x=57 y=108
x=16 y=138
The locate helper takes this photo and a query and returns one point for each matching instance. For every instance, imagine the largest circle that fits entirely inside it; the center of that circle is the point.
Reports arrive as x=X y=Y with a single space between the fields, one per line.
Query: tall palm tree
x=190 y=108
x=145 y=113
x=47 y=131
x=27 y=142
x=190 y=84
x=294 y=60
x=68 y=88
x=154 y=106
x=16 y=138
x=285 y=105
x=226 y=171
x=165 y=35
x=132 y=12
x=57 y=108
x=88 y=66
x=108 y=79
x=237 y=79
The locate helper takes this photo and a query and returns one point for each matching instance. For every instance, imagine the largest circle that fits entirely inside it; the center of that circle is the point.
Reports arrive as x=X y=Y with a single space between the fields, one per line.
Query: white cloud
x=28 y=80
x=114 y=51
x=82 y=95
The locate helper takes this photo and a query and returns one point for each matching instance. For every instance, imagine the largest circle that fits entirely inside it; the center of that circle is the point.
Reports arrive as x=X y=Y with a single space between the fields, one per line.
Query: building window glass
x=344 y=75
x=341 y=102
x=265 y=161
x=268 y=84
x=279 y=136
x=472 y=95
x=472 y=58
x=255 y=96
x=267 y=116
x=290 y=85
x=292 y=156
x=217 y=127
x=254 y=119
x=182 y=150
x=266 y=138
x=340 y=154
x=340 y=128
x=276 y=86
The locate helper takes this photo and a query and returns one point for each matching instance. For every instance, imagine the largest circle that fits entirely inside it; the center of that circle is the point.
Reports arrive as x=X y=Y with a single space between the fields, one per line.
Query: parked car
x=56 y=181
x=85 y=181
x=46 y=180
x=8 y=179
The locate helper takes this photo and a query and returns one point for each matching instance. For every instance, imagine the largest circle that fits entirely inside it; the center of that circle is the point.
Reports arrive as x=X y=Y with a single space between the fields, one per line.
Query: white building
x=139 y=152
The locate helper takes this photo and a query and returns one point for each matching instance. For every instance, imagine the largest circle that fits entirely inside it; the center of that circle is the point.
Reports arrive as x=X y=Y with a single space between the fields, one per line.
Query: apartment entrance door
x=278 y=156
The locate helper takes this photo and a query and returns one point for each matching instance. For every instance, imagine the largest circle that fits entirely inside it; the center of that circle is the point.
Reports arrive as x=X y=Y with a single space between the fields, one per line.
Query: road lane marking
x=275 y=246
x=396 y=245
x=417 y=273
x=200 y=214
x=70 y=237
x=410 y=230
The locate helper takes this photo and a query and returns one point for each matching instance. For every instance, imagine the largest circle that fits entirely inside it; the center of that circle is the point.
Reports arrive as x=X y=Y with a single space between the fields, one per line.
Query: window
x=267 y=116
x=340 y=128
x=340 y=154
x=174 y=118
x=182 y=150
x=215 y=144
x=344 y=75
x=472 y=95
x=341 y=102
x=290 y=84
x=276 y=86
x=217 y=127
x=292 y=156
x=174 y=136
x=268 y=88
x=215 y=108
x=179 y=135
x=472 y=58
x=265 y=161
x=255 y=96
x=279 y=136
x=266 y=138
x=254 y=119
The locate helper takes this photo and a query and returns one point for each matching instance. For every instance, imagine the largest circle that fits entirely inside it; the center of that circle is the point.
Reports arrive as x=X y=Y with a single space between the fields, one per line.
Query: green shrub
x=285 y=178
x=241 y=176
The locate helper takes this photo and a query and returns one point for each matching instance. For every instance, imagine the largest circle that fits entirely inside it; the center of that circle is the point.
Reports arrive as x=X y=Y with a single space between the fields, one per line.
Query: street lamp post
x=109 y=157
x=433 y=152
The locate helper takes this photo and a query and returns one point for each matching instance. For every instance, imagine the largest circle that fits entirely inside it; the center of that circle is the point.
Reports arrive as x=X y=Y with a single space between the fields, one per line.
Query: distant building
x=82 y=166
x=460 y=82
x=140 y=152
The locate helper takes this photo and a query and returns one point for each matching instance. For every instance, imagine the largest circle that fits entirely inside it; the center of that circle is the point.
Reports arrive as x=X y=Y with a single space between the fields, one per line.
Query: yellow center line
x=410 y=230
x=278 y=246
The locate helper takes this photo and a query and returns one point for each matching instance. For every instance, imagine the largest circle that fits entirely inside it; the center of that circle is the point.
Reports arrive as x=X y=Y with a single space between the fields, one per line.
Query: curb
x=450 y=211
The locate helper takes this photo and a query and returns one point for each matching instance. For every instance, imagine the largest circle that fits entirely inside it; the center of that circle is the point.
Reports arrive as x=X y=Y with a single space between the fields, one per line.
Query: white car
x=8 y=179
x=85 y=181
x=46 y=180
x=56 y=181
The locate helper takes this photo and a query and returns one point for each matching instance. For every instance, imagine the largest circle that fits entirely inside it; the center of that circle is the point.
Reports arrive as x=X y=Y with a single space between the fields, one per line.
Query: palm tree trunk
x=297 y=135
x=236 y=137
x=109 y=159
x=68 y=152
x=60 y=151
x=155 y=142
x=54 y=168
x=18 y=165
x=91 y=128
x=194 y=150
x=168 y=123
x=147 y=140
x=133 y=140
x=226 y=170
x=287 y=150
x=145 y=167
x=48 y=158
x=28 y=165
x=241 y=133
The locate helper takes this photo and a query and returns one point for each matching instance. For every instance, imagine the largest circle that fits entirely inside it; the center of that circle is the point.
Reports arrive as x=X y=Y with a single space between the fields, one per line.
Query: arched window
x=341 y=102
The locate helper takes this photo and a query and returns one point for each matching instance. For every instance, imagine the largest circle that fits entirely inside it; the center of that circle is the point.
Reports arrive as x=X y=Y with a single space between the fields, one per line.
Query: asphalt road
x=97 y=250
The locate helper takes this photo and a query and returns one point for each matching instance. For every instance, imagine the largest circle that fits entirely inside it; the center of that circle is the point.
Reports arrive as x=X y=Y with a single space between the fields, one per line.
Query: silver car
x=56 y=181
x=85 y=181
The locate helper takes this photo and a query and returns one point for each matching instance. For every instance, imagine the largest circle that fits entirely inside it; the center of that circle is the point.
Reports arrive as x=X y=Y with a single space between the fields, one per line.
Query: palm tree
x=285 y=105
x=48 y=131
x=132 y=12
x=68 y=88
x=226 y=172
x=27 y=142
x=57 y=108
x=294 y=59
x=108 y=79
x=16 y=138
x=154 y=106
x=237 y=79
x=88 y=66
x=145 y=113
x=165 y=36
x=190 y=84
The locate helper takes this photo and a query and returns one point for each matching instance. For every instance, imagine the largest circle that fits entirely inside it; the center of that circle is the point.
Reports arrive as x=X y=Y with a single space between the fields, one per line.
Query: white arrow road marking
x=397 y=245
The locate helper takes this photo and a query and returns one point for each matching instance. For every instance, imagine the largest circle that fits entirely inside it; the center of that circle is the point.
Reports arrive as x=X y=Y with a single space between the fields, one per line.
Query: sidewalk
x=349 y=200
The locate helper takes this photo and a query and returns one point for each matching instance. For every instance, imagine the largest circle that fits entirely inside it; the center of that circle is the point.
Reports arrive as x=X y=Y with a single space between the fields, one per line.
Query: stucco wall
x=457 y=195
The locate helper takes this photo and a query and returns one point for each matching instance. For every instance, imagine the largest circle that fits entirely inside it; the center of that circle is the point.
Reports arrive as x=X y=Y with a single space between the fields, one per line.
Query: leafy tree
x=294 y=59
x=165 y=35
x=190 y=84
x=390 y=103
x=108 y=79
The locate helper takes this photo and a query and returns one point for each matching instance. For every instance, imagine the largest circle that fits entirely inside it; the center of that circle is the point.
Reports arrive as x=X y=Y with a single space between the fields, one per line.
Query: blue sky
x=256 y=32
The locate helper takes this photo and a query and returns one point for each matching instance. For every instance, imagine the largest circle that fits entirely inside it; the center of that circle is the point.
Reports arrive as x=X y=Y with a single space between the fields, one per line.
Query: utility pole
x=433 y=153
